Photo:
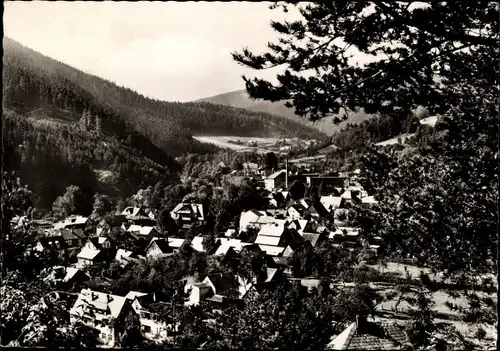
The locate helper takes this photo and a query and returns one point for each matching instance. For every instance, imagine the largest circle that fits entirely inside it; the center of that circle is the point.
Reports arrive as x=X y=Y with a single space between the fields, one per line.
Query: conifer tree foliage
x=416 y=50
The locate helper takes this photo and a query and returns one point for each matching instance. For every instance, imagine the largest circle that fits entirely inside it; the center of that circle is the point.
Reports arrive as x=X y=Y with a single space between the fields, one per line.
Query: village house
x=368 y=200
x=366 y=335
x=72 y=222
x=279 y=199
x=276 y=180
x=99 y=243
x=147 y=232
x=89 y=257
x=72 y=241
x=176 y=243
x=253 y=219
x=65 y=277
x=331 y=203
x=124 y=257
x=314 y=238
x=251 y=168
x=327 y=182
x=134 y=212
x=151 y=327
x=98 y=310
x=277 y=234
x=158 y=248
x=216 y=289
x=187 y=215
x=236 y=244
x=309 y=283
x=272 y=278
x=296 y=211
x=197 y=243
x=228 y=254
x=51 y=243
x=351 y=196
x=230 y=233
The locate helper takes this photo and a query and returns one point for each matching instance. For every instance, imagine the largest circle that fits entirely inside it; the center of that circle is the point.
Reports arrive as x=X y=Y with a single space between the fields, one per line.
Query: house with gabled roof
x=351 y=196
x=197 y=243
x=366 y=335
x=187 y=214
x=73 y=242
x=331 y=203
x=99 y=243
x=275 y=180
x=271 y=250
x=142 y=231
x=72 y=222
x=90 y=257
x=136 y=212
x=98 y=310
x=216 y=289
x=51 y=243
x=152 y=328
x=277 y=234
x=158 y=247
x=176 y=243
x=66 y=276
x=124 y=257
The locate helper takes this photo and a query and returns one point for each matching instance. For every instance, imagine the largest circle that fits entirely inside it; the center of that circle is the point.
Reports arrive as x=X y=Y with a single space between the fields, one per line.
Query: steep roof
x=106 y=303
x=162 y=244
x=275 y=228
x=142 y=230
x=271 y=250
x=133 y=294
x=221 y=281
x=312 y=238
x=121 y=253
x=268 y=240
x=175 y=242
x=331 y=202
x=70 y=273
x=371 y=336
x=276 y=174
x=197 y=243
x=68 y=234
x=88 y=254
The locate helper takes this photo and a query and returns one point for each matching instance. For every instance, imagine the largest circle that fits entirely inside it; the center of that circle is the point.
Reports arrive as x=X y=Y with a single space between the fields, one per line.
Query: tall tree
x=413 y=55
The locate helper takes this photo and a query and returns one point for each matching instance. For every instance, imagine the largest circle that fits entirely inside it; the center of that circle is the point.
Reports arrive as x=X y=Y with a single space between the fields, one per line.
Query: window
x=146 y=328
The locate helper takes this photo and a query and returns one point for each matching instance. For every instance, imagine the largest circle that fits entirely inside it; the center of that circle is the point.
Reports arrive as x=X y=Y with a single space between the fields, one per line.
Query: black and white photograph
x=265 y=175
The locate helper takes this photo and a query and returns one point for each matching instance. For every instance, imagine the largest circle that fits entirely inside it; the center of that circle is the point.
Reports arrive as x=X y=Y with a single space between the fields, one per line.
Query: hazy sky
x=176 y=51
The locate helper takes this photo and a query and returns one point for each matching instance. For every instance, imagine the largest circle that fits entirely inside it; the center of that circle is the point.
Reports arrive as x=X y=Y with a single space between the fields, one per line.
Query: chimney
x=110 y=298
x=94 y=296
x=360 y=324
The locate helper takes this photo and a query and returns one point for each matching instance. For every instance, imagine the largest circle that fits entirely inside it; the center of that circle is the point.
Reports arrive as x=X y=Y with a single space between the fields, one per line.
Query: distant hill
x=241 y=99
x=57 y=118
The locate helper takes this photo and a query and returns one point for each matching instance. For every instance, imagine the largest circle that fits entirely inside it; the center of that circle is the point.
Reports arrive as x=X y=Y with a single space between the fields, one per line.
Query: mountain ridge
x=241 y=99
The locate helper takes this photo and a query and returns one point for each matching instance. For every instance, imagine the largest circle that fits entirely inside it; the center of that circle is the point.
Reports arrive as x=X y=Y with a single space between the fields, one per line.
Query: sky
x=174 y=51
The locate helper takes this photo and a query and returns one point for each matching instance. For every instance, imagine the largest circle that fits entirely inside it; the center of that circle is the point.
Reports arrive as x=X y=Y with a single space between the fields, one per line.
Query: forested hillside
x=65 y=127
x=241 y=99
x=168 y=125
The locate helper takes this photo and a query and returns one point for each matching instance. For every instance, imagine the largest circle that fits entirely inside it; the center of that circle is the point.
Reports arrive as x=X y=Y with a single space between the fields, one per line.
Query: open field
x=394 y=140
x=440 y=298
x=240 y=144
